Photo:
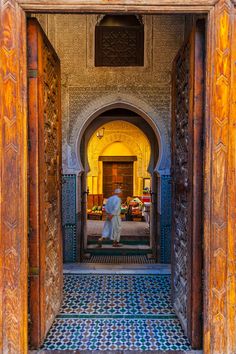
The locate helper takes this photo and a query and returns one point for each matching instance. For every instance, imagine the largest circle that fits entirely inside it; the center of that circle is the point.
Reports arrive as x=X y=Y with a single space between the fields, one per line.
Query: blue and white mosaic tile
x=116 y=334
x=117 y=294
x=116 y=312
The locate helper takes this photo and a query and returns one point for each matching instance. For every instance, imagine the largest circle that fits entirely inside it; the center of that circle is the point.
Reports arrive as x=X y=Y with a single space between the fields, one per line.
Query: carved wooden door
x=187 y=182
x=45 y=237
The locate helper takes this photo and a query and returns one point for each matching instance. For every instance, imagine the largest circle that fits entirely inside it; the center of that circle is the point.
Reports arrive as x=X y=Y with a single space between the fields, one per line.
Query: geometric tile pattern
x=111 y=259
x=116 y=312
x=117 y=294
x=116 y=334
x=69 y=219
x=70 y=245
x=166 y=243
x=68 y=199
x=165 y=219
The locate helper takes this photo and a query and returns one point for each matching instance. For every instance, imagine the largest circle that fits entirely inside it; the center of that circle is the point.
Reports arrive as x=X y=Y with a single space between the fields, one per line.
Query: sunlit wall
x=120 y=139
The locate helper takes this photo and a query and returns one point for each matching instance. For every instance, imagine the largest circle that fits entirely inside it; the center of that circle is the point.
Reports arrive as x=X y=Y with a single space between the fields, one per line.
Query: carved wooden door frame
x=219 y=164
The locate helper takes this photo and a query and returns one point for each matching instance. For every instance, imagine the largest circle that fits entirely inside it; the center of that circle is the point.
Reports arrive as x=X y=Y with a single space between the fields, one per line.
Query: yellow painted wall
x=120 y=139
x=116 y=149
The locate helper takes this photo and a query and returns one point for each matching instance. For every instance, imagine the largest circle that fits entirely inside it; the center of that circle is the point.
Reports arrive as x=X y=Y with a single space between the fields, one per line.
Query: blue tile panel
x=116 y=312
x=165 y=219
x=70 y=248
x=69 y=219
x=68 y=200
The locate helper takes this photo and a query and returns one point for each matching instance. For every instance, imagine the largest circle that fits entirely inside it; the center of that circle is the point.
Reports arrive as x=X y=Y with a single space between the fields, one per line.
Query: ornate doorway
x=219 y=186
x=137 y=144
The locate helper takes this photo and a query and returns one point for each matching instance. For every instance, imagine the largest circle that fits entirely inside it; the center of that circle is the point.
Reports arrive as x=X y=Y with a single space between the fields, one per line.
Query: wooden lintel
x=118 y=158
x=100 y=6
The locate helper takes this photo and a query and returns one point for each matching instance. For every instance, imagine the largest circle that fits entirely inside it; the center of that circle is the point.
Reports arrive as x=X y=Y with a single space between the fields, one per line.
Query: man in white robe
x=112 y=225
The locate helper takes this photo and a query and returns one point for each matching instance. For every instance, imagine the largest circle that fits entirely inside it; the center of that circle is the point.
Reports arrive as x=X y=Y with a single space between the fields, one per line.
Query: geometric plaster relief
x=94 y=101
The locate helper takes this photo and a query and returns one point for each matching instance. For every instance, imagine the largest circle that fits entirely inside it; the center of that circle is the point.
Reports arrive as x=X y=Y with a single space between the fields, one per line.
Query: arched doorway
x=113 y=118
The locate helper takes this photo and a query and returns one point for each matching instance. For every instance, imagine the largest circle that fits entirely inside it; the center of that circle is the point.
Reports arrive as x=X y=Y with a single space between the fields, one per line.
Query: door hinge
x=33 y=271
x=30 y=231
x=29 y=144
x=202 y=143
x=32 y=73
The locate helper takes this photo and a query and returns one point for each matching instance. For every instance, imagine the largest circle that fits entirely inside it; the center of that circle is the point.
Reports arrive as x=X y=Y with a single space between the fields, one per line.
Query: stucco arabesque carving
x=95 y=107
x=131 y=142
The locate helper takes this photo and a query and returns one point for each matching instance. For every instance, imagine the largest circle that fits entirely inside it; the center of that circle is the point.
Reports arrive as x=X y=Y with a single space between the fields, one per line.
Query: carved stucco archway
x=108 y=102
x=127 y=139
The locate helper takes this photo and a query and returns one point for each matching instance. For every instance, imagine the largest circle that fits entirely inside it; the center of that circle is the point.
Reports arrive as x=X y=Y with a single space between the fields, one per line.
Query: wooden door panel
x=45 y=238
x=187 y=178
x=118 y=174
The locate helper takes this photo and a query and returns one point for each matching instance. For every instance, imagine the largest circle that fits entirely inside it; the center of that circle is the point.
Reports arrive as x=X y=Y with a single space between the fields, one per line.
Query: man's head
x=118 y=192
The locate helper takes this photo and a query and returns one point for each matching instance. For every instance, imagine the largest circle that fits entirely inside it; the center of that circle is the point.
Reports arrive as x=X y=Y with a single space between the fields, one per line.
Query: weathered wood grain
x=231 y=291
x=187 y=159
x=219 y=235
x=118 y=5
x=45 y=239
x=13 y=184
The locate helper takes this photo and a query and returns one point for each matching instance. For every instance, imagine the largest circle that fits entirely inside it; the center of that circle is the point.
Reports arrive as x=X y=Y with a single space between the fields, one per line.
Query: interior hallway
x=117 y=307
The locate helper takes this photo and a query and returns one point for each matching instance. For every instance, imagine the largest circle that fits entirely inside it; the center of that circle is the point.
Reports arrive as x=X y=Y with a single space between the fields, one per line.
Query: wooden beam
x=13 y=183
x=220 y=184
x=117 y=158
x=101 y=6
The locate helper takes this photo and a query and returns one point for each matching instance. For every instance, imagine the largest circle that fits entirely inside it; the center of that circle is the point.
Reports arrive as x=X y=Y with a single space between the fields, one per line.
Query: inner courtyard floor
x=117 y=308
x=129 y=228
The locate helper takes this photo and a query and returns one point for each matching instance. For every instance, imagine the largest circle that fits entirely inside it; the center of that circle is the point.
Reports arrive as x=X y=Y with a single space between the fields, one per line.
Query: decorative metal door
x=187 y=183
x=45 y=236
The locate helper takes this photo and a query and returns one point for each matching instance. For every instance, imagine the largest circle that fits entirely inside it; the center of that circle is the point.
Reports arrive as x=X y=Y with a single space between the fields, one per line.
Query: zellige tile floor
x=116 y=312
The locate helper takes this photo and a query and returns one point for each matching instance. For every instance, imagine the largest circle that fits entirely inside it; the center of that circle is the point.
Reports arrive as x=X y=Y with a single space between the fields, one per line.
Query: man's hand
x=110 y=216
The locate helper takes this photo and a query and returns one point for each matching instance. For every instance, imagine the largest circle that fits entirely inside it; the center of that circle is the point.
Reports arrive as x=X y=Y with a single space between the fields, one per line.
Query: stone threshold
x=168 y=316
x=103 y=268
